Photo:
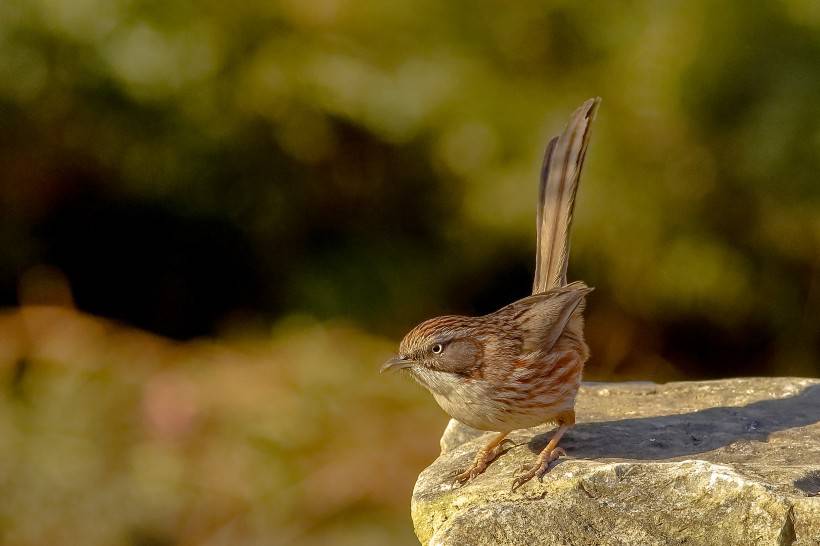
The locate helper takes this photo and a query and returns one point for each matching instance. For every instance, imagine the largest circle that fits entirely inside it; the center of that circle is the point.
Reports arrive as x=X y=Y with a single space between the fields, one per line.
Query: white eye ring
x=437 y=348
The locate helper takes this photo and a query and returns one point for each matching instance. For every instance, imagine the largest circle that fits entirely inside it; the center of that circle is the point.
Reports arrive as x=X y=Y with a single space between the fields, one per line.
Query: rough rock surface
x=714 y=462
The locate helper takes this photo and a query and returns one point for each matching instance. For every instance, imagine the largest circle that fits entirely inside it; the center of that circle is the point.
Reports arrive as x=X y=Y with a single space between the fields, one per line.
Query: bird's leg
x=550 y=453
x=484 y=457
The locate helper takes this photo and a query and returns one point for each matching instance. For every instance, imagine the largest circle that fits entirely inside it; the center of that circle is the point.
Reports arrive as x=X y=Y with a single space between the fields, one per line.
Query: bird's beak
x=396 y=363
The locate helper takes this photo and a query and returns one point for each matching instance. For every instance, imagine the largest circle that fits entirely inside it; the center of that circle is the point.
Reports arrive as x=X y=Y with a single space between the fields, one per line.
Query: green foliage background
x=211 y=168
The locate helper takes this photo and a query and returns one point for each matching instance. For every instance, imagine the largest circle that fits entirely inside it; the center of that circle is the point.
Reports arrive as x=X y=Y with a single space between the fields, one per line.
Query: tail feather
x=560 y=174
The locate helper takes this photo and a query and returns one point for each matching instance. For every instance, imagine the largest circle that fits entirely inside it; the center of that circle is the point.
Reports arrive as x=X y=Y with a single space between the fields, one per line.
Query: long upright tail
x=560 y=175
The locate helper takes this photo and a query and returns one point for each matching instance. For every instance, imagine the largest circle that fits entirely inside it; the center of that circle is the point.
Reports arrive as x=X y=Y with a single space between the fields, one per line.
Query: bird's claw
x=474 y=470
x=481 y=462
x=463 y=477
x=520 y=480
x=539 y=469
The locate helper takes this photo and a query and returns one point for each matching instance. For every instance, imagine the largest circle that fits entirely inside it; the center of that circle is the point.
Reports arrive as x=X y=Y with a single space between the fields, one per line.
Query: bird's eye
x=437 y=348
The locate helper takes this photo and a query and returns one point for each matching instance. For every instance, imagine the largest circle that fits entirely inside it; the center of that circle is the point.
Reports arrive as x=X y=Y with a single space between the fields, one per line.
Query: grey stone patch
x=711 y=462
x=456 y=434
x=809 y=484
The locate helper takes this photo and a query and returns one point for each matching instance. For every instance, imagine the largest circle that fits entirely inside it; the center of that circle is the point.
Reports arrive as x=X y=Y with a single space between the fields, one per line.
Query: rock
x=712 y=462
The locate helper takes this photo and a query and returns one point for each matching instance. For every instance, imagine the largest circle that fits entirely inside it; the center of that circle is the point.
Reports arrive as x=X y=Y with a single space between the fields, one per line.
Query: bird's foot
x=482 y=460
x=539 y=468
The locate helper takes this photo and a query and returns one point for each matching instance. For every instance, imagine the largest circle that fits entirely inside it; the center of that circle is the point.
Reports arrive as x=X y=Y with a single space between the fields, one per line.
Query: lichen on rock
x=712 y=462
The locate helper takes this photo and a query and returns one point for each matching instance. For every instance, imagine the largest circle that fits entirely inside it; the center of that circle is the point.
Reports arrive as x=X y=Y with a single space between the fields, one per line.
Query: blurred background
x=218 y=219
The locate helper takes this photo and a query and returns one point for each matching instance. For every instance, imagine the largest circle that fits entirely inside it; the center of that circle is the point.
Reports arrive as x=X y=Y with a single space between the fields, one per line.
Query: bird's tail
x=560 y=175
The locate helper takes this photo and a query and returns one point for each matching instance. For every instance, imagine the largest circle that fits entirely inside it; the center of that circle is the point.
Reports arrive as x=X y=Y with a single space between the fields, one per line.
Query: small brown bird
x=520 y=366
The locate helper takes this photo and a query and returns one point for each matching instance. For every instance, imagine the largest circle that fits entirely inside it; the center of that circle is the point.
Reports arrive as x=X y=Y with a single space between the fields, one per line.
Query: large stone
x=713 y=462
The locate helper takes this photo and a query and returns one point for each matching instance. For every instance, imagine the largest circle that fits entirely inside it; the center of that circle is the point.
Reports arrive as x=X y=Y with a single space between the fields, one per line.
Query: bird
x=520 y=366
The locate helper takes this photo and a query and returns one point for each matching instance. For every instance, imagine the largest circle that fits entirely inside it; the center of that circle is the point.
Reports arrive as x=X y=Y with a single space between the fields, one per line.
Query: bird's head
x=438 y=349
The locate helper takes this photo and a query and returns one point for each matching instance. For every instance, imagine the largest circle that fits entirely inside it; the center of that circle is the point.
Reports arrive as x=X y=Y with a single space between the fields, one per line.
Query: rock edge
x=733 y=461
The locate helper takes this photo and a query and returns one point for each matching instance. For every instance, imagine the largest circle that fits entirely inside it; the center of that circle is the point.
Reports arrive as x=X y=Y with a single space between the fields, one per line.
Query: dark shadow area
x=809 y=484
x=150 y=265
x=671 y=436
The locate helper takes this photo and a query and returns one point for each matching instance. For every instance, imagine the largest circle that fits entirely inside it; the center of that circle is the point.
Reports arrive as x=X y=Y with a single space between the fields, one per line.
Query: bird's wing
x=542 y=318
